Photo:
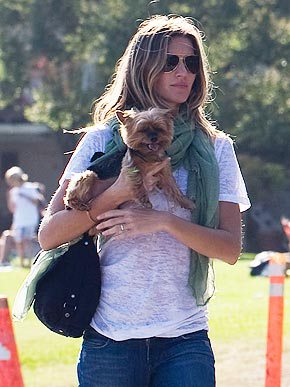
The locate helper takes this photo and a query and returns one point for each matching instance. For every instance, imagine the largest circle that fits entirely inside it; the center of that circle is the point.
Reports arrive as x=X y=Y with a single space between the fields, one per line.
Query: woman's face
x=175 y=86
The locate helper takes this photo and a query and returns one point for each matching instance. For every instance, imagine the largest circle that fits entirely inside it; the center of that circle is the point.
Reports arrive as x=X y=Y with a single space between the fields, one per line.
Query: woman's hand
x=131 y=222
x=124 y=187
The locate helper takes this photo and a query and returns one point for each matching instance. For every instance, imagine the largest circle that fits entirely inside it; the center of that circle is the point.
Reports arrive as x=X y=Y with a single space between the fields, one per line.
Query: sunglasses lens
x=171 y=62
x=191 y=63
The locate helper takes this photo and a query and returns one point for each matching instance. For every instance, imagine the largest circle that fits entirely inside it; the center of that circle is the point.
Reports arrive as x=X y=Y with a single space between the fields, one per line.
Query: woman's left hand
x=132 y=222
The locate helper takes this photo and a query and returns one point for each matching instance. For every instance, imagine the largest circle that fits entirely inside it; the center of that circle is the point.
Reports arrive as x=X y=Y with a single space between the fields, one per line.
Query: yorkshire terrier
x=147 y=135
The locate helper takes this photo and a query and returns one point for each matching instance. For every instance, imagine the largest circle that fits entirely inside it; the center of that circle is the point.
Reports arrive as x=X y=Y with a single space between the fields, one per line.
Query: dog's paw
x=145 y=202
x=80 y=191
x=187 y=203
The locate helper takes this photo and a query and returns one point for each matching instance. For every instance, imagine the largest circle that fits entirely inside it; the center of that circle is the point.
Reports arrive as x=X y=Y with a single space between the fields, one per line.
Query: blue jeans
x=184 y=361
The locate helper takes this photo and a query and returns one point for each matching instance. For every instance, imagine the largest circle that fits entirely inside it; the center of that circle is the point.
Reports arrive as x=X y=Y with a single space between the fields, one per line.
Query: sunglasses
x=190 y=62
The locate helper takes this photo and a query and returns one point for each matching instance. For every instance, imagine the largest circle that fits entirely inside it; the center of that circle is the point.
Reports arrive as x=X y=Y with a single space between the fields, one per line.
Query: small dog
x=147 y=134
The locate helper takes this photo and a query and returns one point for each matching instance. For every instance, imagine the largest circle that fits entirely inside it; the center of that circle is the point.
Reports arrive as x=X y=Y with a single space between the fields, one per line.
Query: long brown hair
x=138 y=69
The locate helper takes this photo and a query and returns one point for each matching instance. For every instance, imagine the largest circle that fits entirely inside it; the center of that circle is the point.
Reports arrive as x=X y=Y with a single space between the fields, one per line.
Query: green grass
x=240 y=305
x=238 y=326
x=238 y=318
x=47 y=359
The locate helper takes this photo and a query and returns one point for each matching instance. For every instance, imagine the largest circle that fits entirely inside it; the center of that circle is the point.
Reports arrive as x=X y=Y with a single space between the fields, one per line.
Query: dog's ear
x=121 y=116
x=170 y=113
x=125 y=116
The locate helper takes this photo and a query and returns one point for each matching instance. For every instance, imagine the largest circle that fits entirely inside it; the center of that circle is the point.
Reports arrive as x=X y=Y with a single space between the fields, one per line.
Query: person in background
x=23 y=201
x=151 y=325
x=7 y=247
x=285 y=223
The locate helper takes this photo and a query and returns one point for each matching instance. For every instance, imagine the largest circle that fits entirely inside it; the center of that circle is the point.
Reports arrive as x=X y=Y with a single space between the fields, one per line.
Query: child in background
x=23 y=202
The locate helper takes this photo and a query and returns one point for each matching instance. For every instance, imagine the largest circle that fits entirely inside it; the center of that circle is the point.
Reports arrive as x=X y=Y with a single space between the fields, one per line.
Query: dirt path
x=241 y=364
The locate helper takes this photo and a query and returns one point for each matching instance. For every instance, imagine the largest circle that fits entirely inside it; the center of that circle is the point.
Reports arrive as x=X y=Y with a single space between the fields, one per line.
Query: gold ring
x=122 y=227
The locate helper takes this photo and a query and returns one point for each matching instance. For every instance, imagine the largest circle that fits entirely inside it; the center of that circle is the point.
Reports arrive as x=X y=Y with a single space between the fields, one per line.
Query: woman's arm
x=223 y=243
x=10 y=202
x=60 y=225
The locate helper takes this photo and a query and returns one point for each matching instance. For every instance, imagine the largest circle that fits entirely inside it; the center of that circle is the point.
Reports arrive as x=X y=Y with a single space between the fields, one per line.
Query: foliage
x=15 y=37
x=255 y=104
x=263 y=177
x=73 y=46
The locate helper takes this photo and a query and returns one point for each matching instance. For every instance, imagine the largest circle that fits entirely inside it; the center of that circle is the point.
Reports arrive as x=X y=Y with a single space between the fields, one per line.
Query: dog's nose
x=153 y=137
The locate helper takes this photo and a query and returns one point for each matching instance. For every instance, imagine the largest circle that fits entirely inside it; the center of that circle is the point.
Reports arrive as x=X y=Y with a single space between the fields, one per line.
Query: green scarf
x=194 y=150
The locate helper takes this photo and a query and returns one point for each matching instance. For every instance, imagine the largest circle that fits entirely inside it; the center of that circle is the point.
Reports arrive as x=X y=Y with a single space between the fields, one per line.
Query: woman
x=150 y=328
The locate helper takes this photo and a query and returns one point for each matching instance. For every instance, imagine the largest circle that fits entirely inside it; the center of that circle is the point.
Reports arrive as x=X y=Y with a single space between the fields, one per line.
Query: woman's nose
x=181 y=69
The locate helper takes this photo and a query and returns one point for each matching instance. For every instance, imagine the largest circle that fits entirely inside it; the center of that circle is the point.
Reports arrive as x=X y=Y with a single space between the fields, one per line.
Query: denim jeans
x=184 y=361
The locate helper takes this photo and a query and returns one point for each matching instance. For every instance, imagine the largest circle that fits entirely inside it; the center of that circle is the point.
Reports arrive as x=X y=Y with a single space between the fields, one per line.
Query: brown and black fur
x=147 y=134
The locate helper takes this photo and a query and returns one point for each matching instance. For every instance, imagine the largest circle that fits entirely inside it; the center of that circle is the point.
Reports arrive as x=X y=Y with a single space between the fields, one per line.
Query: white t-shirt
x=145 y=290
x=26 y=212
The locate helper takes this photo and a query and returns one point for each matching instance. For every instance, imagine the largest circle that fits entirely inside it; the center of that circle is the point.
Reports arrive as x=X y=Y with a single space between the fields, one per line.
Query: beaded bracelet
x=90 y=217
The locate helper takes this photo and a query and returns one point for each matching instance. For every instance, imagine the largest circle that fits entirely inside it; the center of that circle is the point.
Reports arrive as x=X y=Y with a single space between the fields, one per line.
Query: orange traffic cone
x=10 y=373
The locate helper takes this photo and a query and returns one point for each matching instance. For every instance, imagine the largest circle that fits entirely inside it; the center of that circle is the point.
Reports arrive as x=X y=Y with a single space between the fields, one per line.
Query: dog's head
x=148 y=132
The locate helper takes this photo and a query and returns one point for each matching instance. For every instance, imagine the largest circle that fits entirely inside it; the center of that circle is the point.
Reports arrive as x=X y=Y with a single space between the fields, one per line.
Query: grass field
x=238 y=330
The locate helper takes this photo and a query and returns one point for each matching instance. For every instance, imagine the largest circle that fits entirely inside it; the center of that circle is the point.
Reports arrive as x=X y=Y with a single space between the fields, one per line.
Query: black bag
x=107 y=165
x=67 y=296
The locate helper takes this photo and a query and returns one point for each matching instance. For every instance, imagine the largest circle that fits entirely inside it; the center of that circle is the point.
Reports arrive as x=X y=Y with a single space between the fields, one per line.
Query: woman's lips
x=180 y=85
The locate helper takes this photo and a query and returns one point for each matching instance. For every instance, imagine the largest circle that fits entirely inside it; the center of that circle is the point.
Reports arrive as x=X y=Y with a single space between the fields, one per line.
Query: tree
x=15 y=48
x=252 y=99
x=72 y=46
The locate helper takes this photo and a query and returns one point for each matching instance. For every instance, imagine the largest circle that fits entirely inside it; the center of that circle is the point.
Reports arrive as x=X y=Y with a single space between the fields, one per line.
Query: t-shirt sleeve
x=232 y=185
x=93 y=141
